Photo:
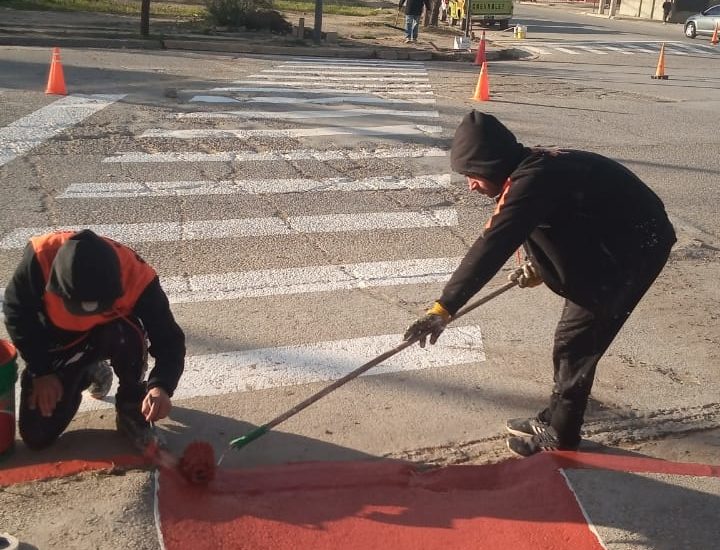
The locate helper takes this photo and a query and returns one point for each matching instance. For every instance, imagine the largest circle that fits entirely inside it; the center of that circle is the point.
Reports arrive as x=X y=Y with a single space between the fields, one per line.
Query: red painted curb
x=37 y=472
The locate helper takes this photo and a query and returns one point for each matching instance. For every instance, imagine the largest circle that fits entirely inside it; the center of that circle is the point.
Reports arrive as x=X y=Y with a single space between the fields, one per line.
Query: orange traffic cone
x=482 y=90
x=714 y=40
x=660 y=71
x=480 y=56
x=56 y=79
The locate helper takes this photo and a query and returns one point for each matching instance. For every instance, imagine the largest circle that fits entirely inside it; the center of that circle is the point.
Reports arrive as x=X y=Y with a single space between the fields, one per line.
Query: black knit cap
x=86 y=274
x=484 y=147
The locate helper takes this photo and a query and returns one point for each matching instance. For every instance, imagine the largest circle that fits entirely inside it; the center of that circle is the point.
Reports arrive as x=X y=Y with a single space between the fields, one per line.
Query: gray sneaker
x=525 y=426
x=101 y=377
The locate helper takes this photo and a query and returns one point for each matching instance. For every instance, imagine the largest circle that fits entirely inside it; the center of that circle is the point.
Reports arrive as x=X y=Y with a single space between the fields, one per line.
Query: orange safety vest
x=135 y=275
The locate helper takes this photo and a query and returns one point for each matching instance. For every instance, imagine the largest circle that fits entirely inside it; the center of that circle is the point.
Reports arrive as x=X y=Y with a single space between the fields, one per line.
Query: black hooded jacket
x=585 y=220
x=414 y=7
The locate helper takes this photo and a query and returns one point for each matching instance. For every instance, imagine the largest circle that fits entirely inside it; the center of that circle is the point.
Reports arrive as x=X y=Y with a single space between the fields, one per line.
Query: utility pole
x=317 y=31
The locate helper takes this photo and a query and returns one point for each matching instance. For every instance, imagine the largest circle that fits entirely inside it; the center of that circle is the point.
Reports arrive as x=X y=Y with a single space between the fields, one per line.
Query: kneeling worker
x=79 y=301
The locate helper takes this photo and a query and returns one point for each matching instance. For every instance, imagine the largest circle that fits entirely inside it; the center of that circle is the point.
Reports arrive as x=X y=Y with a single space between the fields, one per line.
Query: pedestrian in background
x=413 y=11
x=667 y=8
x=592 y=231
x=79 y=301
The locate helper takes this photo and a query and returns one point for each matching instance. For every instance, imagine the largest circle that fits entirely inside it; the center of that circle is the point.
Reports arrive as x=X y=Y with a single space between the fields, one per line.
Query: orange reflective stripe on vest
x=500 y=203
x=135 y=274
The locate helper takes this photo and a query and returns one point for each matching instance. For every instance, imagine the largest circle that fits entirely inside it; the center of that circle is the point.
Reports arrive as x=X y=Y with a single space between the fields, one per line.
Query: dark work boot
x=100 y=375
x=132 y=424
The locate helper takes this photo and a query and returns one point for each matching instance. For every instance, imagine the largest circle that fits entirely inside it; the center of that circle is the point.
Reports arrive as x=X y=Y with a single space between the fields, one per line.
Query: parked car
x=703 y=23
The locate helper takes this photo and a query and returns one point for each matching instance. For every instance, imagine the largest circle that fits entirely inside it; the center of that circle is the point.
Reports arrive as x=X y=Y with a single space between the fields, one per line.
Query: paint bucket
x=8 y=376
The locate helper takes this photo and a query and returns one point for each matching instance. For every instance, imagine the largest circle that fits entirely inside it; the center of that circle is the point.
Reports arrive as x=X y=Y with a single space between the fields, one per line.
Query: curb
x=240 y=47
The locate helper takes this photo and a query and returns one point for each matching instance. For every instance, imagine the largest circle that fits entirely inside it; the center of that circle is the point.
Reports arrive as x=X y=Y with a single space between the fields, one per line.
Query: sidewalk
x=378 y=39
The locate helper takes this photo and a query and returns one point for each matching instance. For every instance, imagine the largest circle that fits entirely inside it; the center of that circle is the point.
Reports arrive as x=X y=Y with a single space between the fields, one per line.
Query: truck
x=485 y=13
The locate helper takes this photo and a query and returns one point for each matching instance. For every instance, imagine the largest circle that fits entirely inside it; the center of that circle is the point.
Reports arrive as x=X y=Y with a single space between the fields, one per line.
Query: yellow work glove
x=526 y=276
x=432 y=323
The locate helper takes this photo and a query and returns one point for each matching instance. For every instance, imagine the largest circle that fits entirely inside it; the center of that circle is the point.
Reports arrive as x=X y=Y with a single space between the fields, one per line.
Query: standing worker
x=77 y=300
x=592 y=231
x=413 y=10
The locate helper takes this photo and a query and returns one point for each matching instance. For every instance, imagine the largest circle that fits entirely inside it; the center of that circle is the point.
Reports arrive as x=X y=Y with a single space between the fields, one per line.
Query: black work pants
x=583 y=335
x=122 y=342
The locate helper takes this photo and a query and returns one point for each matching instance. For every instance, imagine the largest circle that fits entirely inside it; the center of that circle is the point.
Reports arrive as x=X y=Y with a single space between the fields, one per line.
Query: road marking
x=364 y=81
x=616 y=49
x=271 y=156
x=293 y=99
x=201 y=133
x=305 y=61
x=134 y=189
x=567 y=51
x=361 y=71
x=309 y=114
x=246 y=227
x=640 y=48
x=23 y=135
x=591 y=50
x=266 y=368
x=302 y=280
x=537 y=51
x=370 y=86
x=334 y=91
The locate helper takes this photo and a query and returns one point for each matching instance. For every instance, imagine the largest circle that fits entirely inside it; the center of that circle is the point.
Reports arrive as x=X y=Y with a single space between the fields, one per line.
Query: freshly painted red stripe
x=570 y=460
x=35 y=472
x=367 y=505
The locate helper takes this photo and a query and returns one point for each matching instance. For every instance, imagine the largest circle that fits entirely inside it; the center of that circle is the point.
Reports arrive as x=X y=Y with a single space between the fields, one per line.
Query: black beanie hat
x=86 y=274
x=484 y=147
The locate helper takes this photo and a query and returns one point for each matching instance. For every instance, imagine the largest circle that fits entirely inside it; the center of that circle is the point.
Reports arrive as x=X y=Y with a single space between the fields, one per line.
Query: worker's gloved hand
x=432 y=323
x=526 y=276
x=46 y=392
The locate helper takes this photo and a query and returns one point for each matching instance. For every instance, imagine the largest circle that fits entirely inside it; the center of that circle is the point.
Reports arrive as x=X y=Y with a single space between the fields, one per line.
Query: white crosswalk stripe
x=624 y=48
x=270 y=156
x=307 y=114
x=264 y=368
x=130 y=233
x=137 y=189
x=296 y=100
x=23 y=135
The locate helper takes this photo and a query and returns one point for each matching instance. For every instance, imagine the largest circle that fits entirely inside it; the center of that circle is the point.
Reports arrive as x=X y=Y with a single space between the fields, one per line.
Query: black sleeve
x=167 y=340
x=401 y=4
x=520 y=209
x=24 y=312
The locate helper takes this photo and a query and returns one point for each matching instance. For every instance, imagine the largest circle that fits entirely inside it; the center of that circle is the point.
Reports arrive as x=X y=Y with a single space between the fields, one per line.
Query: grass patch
x=329 y=8
x=122 y=7
x=190 y=10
